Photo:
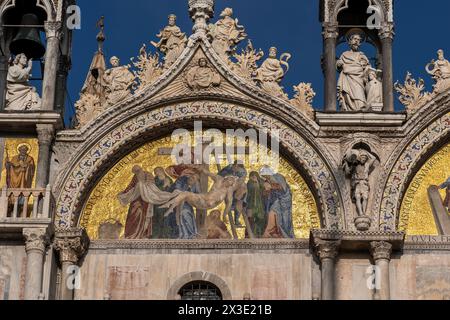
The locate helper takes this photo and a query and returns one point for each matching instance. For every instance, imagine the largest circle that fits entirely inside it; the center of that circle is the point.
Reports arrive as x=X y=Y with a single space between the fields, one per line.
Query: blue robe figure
x=278 y=201
x=234 y=170
x=187 y=229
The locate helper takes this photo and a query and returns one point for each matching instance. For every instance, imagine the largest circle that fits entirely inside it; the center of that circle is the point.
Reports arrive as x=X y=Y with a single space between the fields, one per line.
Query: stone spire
x=201 y=11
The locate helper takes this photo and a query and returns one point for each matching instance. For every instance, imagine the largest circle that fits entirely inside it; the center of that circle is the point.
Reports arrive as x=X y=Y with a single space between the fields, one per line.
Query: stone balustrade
x=26 y=203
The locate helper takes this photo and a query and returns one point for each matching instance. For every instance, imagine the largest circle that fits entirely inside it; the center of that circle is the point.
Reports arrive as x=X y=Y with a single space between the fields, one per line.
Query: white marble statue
x=20 y=95
x=202 y=76
x=374 y=90
x=353 y=65
x=118 y=82
x=172 y=41
x=226 y=34
x=271 y=72
x=440 y=71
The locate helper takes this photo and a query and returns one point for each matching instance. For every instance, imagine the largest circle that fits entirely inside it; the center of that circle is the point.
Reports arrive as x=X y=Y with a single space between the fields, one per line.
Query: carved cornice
x=71 y=244
x=36 y=239
x=381 y=250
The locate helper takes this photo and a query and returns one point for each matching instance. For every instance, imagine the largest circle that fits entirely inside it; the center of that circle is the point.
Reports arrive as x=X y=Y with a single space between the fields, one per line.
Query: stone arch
x=47 y=5
x=427 y=137
x=199 y=276
x=97 y=155
x=336 y=6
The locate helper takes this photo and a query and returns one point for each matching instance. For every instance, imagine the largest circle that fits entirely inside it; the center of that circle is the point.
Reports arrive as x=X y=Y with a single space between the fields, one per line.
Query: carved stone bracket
x=71 y=244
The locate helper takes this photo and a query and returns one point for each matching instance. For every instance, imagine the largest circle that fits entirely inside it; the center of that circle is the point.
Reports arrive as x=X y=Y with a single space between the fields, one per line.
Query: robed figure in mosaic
x=20 y=169
x=446 y=186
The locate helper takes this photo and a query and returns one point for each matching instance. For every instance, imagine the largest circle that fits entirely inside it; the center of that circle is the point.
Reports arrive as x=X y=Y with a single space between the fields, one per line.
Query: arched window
x=200 y=290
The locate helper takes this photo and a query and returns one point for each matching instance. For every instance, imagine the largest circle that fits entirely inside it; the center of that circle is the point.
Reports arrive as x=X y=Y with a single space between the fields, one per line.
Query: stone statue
x=20 y=169
x=358 y=165
x=172 y=41
x=353 y=66
x=226 y=34
x=374 y=90
x=20 y=95
x=202 y=76
x=270 y=74
x=118 y=82
x=440 y=71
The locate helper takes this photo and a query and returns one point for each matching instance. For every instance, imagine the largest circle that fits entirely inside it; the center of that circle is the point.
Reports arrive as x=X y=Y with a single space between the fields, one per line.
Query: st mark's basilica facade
x=356 y=205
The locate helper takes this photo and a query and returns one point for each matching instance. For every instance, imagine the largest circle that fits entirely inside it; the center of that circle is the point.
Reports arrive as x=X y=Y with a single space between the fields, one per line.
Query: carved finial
x=201 y=11
x=101 y=35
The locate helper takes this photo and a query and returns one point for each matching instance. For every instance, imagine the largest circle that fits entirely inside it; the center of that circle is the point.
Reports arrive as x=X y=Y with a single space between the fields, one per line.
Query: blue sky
x=422 y=27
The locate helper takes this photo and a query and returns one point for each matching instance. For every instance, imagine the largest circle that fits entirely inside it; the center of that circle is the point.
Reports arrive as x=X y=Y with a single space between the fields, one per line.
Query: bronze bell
x=27 y=39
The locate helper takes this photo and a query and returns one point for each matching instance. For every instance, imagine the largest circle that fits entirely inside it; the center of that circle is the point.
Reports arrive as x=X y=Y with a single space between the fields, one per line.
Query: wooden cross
x=204 y=179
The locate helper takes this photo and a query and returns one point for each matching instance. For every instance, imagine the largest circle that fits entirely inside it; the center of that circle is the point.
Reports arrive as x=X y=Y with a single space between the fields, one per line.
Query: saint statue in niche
x=353 y=66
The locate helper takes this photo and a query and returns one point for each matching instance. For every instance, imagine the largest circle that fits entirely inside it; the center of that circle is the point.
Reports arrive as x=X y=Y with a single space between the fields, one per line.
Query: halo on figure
x=19 y=146
x=356 y=31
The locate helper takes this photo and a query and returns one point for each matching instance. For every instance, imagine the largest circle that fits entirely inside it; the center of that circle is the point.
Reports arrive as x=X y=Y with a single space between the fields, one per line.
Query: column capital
x=330 y=31
x=327 y=249
x=36 y=239
x=71 y=244
x=46 y=133
x=381 y=250
x=53 y=29
x=387 y=31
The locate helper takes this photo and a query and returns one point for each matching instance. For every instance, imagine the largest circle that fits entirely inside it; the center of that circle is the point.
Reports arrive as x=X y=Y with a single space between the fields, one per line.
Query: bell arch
x=48 y=6
x=95 y=157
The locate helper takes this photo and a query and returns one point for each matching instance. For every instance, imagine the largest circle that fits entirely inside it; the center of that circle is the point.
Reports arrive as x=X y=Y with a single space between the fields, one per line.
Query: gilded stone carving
x=411 y=93
x=20 y=95
x=226 y=34
x=246 y=65
x=172 y=42
x=303 y=98
x=271 y=72
x=202 y=76
x=148 y=67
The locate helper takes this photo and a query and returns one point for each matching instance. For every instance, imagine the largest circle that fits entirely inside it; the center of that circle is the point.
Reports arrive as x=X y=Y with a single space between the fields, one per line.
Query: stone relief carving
x=358 y=165
x=118 y=82
x=226 y=34
x=148 y=66
x=20 y=95
x=411 y=93
x=304 y=96
x=246 y=64
x=202 y=76
x=271 y=72
x=172 y=41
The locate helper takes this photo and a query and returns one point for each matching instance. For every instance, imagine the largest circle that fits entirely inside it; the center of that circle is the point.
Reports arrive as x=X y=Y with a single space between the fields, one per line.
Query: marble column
x=71 y=246
x=45 y=139
x=36 y=242
x=53 y=33
x=330 y=34
x=61 y=83
x=381 y=252
x=387 y=38
x=3 y=76
x=327 y=252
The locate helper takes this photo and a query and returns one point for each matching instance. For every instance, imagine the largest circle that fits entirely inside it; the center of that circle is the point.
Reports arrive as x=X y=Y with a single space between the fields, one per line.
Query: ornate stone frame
x=109 y=137
x=425 y=133
x=333 y=7
x=50 y=7
x=200 y=276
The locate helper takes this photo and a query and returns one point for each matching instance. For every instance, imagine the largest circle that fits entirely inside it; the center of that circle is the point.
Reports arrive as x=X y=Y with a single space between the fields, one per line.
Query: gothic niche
x=146 y=196
x=359 y=164
x=364 y=82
